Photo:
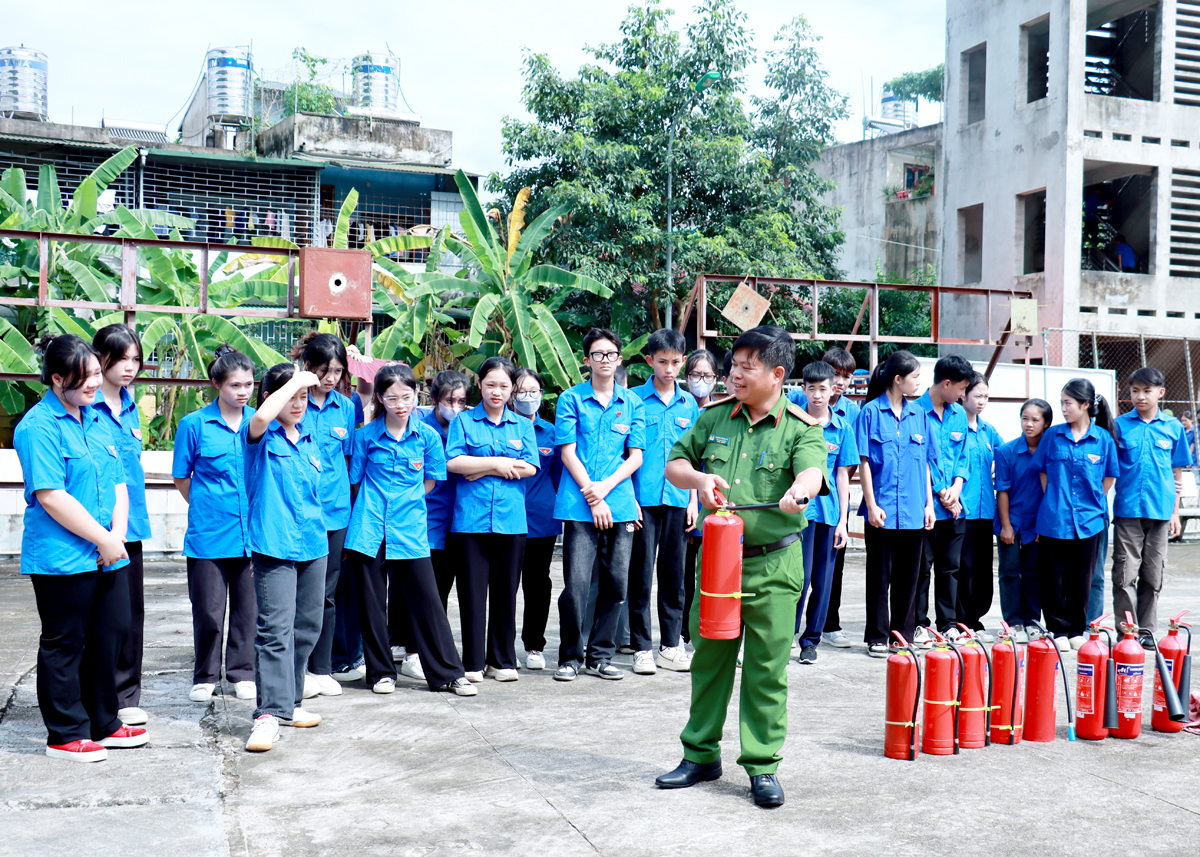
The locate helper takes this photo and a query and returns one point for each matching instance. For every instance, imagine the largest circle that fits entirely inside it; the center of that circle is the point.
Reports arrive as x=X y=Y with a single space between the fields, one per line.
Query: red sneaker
x=77 y=751
x=126 y=736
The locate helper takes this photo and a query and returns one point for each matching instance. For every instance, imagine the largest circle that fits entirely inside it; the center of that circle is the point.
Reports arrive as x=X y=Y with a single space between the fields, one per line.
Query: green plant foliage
x=914 y=85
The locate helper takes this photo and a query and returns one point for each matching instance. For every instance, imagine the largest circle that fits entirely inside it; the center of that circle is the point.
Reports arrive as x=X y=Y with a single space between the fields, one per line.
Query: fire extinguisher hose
x=912 y=724
x=987 y=698
x=957 y=702
x=1067 y=694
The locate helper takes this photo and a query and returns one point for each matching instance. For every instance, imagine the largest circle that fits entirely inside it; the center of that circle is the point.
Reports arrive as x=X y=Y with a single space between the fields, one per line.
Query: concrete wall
x=357 y=137
x=195 y=126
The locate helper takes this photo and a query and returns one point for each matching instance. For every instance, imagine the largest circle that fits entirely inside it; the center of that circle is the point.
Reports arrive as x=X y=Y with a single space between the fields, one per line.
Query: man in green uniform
x=756 y=447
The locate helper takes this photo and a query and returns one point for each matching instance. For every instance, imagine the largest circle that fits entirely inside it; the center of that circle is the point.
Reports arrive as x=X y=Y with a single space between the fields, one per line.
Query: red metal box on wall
x=335 y=283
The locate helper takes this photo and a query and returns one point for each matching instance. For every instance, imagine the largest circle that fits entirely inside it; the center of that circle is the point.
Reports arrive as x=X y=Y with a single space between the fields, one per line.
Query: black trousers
x=893 y=566
x=833 y=619
x=85 y=620
x=536 y=589
x=975 y=586
x=210 y=583
x=320 y=662
x=942 y=552
x=691 y=555
x=1065 y=568
x=129 y=658
x=447 y=563
x=487 y=599
x=413 y=584
x=657 y=546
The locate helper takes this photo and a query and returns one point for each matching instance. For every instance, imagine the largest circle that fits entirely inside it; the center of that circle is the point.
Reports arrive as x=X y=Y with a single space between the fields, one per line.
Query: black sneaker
x=567 y=672
x=1147 y=641
x=808 y=655
x=604 y=670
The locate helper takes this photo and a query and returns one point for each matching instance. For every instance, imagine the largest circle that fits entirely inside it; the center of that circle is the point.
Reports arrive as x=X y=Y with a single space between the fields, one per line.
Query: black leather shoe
x=690 y=773
x=767 y=791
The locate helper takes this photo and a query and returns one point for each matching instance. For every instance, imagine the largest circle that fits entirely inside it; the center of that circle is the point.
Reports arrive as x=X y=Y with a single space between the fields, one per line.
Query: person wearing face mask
x=700 y=372
x=544 y=528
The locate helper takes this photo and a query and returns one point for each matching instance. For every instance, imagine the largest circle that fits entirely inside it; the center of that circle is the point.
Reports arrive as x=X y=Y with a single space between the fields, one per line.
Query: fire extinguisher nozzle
x=1070 y=732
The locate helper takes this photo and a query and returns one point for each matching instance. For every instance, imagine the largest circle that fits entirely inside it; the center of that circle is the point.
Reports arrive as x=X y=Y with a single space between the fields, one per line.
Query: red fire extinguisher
x=943 y=696
x=1095 y=687
x=721 y=572
x=974 y=718
x=1130 y=659
x=1008 y=670
x=1045 y=663
x=1167 y=713
x=900 y=725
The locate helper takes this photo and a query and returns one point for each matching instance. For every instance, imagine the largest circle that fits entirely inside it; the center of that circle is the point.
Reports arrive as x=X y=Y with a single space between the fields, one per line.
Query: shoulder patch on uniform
x=716 y=402
x=801 y=414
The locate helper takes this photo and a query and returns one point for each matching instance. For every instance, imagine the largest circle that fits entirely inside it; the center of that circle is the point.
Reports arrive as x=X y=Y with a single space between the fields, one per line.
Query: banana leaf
x=12 y=182
x=273 y=241
x=49 y=197
x=65 y=323
x=518 y=320
x=398 y=244
x=562 y=348
x=104 y=174
x=154 y=333
x=341 y=231
x=537 y=232
x=96 y=287
x=480 y=317
x=549 y=275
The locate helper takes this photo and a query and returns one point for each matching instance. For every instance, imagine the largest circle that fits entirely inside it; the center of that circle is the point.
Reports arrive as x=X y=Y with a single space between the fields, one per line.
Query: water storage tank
x=24 y=89
x=376 y=82
x=230 y=85
x=891 y=107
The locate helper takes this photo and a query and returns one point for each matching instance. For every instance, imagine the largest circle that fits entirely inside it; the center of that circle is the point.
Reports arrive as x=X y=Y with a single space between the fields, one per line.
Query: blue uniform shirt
x=126 y=427
x=540 y=489
x=283 y=480
x=332 y=425
x=390 y=506
x=439 y=503
x=979 y=493
x=843 y=452
x=950 y=429
x=844 y=407
x=897 y=452
x=1074 y=505
x=666 y=422
x=1148 y=453
x=1024 y=487
x=212 y=455
x=491 y=504
x=80 y=457
x=601 y=435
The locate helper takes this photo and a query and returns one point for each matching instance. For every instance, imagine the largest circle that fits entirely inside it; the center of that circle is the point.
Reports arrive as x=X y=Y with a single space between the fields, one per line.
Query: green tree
x=746 y=200
x=914 y=85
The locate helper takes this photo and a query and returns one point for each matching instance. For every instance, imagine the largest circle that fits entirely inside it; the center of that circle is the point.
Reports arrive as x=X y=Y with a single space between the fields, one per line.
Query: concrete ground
x=539 y=767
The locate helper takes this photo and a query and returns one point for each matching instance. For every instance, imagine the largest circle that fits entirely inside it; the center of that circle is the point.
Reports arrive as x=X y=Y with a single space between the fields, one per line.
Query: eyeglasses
x=604 y=356
x=705 y=378
x=396 y=401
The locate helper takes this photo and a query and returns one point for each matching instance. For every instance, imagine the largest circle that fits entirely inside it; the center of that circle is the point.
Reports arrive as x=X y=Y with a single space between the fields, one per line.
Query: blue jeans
x=1020 y=597
x=291 y=601
x=817 y=543
x=1096 y=599
x=583 y=545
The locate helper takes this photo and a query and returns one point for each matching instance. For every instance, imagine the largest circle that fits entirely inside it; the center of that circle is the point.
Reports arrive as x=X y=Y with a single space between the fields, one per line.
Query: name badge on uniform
x=545 y=450
x=515 y=442
x=416 y=463
x=957 y=435
x=714 y=438
x=1164 y=444
x=683 y=422
x=918 y=438
x=316 y=461
x=137 y=433
x=620 y=428
x=339 y=431
x=1095 y=459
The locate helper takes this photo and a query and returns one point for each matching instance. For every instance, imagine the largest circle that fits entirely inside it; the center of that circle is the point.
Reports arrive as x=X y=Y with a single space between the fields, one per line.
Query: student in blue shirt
x=73 y=549
x=449 y=393
x=544 y=529
x=1077 y=462
x=331 y=420
x=700 y=372
x=978 y=500
x=1152 y=449
x=840 y=403
x=120 y=353
x=493 y=450
x=208 y=469
x=827 y=513
x=395 y=461
x=289 y=546
x=942 y=551
x=601 y=431
x=665 y=512
x=896 y=444
x=1019 y=495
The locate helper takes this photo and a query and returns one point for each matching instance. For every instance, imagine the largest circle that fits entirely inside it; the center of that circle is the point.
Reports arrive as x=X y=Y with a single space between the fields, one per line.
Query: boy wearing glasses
x=600 y=428
x=665 y=511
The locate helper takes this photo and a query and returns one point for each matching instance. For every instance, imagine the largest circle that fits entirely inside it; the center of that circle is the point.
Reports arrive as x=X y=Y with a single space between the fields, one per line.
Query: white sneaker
x=399 y=653
x=245 y=690
x=535 y=661
x=643 y=663
x=984 y=636
x=1020 y=633
x=302 y=719
x=1064 y=645
x=386 y=684
x=474 y=677
x=132 y=716
x=674 y=659
x=311 y=688
x=412 y=667
x=795 y=645
x=264 y=734
x=922 y=639
x=349 y=674
x=327 y=685
x=201 y=692
x=741 y=653
x=1076 y=642
x=501 y=674
x=837 y=639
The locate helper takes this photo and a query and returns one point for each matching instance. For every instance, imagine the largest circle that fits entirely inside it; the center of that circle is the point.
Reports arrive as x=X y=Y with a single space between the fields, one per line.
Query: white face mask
x=527 y=404
x=701 y=389
x=448 y=413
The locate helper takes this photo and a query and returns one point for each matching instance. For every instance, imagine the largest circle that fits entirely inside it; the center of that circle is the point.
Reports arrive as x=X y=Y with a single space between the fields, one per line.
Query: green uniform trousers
x=768 y=625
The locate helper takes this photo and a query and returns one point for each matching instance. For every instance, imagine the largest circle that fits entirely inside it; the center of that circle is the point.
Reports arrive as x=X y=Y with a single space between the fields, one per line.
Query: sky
x=461 y=63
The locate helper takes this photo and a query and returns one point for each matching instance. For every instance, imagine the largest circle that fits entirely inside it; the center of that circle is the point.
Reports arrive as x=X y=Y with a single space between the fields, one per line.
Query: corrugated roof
x=137 y=134
x=54 y=141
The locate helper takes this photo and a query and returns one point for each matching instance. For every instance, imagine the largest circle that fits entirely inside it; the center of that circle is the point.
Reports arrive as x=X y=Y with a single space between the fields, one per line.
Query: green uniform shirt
x=760 y=461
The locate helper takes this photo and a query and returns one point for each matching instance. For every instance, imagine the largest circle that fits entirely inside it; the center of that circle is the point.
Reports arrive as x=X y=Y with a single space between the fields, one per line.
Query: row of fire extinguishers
x=965 y=698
